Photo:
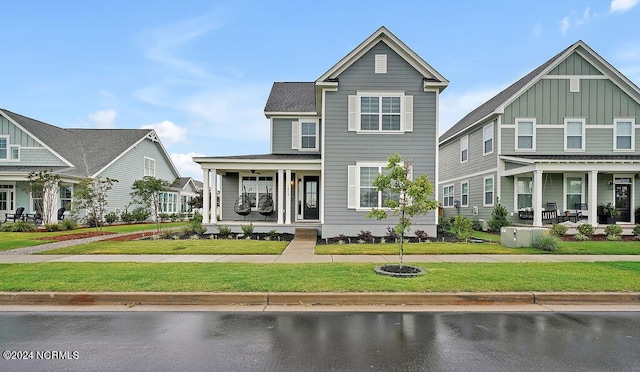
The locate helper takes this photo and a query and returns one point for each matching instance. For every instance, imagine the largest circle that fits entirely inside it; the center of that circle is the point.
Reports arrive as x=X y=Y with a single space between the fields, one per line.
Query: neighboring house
x=330 y=138
x=188 y=188
x=567 y=133
x=124 y=154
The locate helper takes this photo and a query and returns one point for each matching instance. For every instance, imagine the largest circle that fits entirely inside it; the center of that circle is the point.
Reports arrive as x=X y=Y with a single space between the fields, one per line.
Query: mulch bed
x=62 y=238
x=130 y=237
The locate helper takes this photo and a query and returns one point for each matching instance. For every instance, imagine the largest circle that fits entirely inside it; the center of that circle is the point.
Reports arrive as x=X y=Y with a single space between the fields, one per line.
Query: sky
x=200 y=72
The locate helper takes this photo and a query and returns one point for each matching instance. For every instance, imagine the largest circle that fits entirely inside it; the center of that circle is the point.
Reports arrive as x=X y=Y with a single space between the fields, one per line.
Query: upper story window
x=380 y=112
x=487 y=139
x=8 y=151
x=623 y=135
x=525 y=134
x=464 y=149
x=304 y=135
x=149 y=167
x=447 y=196
x=574 y=134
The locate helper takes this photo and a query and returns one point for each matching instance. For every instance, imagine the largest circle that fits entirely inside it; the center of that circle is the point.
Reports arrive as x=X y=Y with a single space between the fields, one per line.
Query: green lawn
x=329 y=277
x=199 y=246
x=11 y=240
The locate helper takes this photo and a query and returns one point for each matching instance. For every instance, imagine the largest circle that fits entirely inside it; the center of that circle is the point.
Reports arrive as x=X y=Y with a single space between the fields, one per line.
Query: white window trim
x=564 y=189
x=515 y=190
x=256 y=192
x=8 y=148
x=452 y=195
x=533 y=139
x=11 y=147
x=615 y=134
x=314 y=121
x=380 y=64
x=144 y=170
x=461 y=194
x=485 y=139
x=464 y=145
x=379 y=94
x=584 y=136
x=484 y=191
x=359 y=165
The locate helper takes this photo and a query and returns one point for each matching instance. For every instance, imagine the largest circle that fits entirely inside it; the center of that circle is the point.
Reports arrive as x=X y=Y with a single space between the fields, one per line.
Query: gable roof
x=294 y=97
x=382 y=34
x=86 y=151
x=496 y=104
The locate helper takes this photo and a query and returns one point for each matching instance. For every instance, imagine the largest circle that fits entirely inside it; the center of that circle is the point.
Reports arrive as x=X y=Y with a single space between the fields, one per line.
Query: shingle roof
x=89 y=150
x=270 y=157
x=292 y=97
x=496 y=101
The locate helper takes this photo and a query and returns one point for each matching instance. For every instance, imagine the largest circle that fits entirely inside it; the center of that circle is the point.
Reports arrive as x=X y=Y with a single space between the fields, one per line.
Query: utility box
x=515 y=237
x=484 y=224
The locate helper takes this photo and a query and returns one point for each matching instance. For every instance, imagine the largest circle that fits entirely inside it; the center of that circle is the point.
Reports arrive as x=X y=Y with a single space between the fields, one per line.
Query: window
x=15 y=152
x=623 y=136
x=168 y=202
x=488 y=191
x=37 y=205
x=487 y=139
x=309 y=135
x=525 y=134
x=6 y=198
x=4 y=147
x=256 y=187
x=524 y=192
x=464 y=149
x=464 y=194
x=386 y=112
x=574 y=134
x=362 y=194
x=66 y=195
x=447 y=196
x=149 y=167
x=574 y=189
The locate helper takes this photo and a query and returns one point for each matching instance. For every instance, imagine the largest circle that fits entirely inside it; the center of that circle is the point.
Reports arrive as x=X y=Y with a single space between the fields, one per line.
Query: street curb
x=333 y=299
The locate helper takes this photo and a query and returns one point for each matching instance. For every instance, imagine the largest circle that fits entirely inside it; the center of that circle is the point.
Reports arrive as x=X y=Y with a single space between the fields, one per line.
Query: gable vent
x=381 y=64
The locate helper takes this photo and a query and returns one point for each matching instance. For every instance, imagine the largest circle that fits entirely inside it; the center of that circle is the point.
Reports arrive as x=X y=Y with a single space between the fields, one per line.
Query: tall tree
x=44 y=187
x=91 y=194
x=404 y=196
x=146 y=192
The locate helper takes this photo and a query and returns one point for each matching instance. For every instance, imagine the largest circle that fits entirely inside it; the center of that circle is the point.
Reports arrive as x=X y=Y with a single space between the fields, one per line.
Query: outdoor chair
x=35 y=218
x=18 y=215
x=580 y=207
x=552 y=206
x=61 y=213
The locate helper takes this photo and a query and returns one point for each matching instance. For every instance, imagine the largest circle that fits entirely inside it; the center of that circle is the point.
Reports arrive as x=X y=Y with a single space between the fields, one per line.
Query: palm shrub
x=558 y=230
x=224 y=231
x=636 y=231
x=546 y=242
x=273 y=234
x=586 y=230
x=462 y=226
x=498 y=218
x=613 y=232
x=247 y=230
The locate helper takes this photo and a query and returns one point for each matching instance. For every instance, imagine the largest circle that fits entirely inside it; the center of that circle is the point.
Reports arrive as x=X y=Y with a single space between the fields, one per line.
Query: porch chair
x=18 y=215
x=579 y=208
x=61 y=213
x=552 y=206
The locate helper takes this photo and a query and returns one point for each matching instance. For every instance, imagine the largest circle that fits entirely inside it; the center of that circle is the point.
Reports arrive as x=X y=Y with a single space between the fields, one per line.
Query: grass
x=199 y=246
x=11 y=240
x=329 y=277
x=421 y=248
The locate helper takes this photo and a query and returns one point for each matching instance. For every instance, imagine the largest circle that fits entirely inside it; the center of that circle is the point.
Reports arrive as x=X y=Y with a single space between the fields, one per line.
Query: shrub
x=173 y=217
x=391 y=234
x=224 y=231
x=586 y=230
x=126 y=217
x=613 y=232
x=558 y=230
x=365 y=235
x=199 y=229
x=167 y=234
x=92 y=221
x=20 y=226
x=462 y=226
x=477 y=226
x=69 y=224
x=111 y=217
x=636 y=231
x=52 y=227
x=341 y=238
x=420 y=234
x=163 y=216
x=273 y=234
x=140 y=214
x=581 y=237
x=498 y=218
x=444 y=225
x=197 y=217
x=247 y=229
x=546 y=242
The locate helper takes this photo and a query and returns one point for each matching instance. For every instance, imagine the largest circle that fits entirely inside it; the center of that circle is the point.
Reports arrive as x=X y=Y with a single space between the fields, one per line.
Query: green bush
x=163 y=216
x=167 y=234
x=69 y=224
x=224 y=231
x=111 y=217
x=247 y=230
x=546 y=243
x=636 y=231
x=462 y=226
x=199 y=229
x=197 y=217
x=613 y=231
x=444 y=225
x=586 y=230
x=558 y=230
x=581 y=237
x=273 y=234
x=20 y=226
x=477 y=226
x=52 y=227
x=498 y=218
x=126 y=217
x=140 y=214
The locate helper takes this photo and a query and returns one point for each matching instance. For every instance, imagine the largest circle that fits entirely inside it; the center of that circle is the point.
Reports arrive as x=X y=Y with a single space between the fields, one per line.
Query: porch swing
x=242 y=205
x=265 y=204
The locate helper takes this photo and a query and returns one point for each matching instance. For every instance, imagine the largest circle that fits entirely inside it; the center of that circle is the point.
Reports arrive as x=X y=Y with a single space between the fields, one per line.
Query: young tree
x=44 y=185
x=146 y=192
x=91 y=194
x=405 y=197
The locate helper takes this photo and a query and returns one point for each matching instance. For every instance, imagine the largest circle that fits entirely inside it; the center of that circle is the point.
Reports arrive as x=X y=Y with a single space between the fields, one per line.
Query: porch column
x=287 y=219
x=280 y=195
x=537 y=198
x=593 y=198
x=205 y=196
x=214 y=196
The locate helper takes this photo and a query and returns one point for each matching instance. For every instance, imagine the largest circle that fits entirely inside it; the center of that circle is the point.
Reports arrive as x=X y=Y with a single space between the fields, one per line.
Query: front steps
x=306 y=234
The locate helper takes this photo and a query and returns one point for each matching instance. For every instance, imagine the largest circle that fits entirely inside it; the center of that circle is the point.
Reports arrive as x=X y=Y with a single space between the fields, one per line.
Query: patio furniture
x=265 y=205
x=550 y=216
x=525 y=215
x=580 y=207
x=35 y=217
x=61 y=213
x=18 y=215
x=242 y=206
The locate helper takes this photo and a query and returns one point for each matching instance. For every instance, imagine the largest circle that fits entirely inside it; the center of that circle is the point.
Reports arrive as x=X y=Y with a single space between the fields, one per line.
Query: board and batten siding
x=281 y=136
x=575 y=64
x=17 y=135
x=344 y=148
x=130 y=167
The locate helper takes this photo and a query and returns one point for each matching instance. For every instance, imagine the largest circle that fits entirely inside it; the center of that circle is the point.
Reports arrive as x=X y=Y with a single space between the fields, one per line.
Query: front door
x=623 y=202
x=6 y=199
x=310 y=200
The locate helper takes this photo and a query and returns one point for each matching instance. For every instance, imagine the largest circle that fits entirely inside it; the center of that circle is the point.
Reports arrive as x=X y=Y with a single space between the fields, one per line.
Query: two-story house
x=329 y=139
x=29 y=145
x=566 y=133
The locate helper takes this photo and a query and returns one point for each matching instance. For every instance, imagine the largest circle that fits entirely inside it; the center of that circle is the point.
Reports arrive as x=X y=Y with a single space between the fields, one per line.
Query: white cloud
x=102 y=119
x=575 y=20
x=565 y=24
x=621 y=6
x=537 y=30
x=454 y=106
x=186 y=166
x=168 y=132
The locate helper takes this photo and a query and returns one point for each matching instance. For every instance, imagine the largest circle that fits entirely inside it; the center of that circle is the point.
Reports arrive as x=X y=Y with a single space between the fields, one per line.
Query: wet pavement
x=309 y=341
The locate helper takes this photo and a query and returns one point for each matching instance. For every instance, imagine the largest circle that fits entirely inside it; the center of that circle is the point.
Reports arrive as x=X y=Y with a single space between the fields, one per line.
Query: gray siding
x=130 y=167
x=344 y=148
x=575 y=64
x=476 y=198
x=17 y=136
x=281 y=136
x=450 y=165
x=229 y=190
x=37 y=157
